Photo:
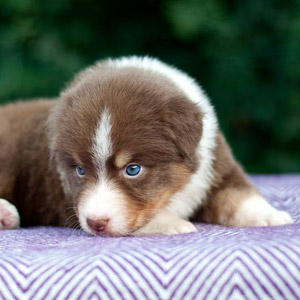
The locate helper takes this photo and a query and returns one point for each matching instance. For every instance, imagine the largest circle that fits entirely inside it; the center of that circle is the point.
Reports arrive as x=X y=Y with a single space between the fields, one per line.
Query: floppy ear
x=51 y=129
x=184 y=123
x=52 y=145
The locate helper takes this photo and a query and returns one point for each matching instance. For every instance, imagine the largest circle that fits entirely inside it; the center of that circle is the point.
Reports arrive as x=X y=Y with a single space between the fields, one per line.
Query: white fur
x=9 y=216
x=104 y=201
x=166 y=223
x=256 y=211
x=102 y=148
x=186 y=201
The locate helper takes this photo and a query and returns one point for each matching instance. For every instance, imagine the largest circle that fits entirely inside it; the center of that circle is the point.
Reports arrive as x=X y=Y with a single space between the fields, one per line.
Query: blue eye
x=80 y=171
x=133 y=170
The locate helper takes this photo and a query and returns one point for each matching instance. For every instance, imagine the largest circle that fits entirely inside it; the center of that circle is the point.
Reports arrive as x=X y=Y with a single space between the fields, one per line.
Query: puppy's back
x=27 y=179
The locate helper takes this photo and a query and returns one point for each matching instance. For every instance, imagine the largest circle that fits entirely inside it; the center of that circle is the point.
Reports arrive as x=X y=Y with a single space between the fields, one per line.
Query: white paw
x=9 y=216
x=168 y=224
x=178 y=227
x=275 y=218
x=256 y=211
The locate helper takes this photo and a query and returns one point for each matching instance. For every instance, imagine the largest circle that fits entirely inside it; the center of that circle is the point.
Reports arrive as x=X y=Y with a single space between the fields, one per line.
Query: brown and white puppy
x=133 y=146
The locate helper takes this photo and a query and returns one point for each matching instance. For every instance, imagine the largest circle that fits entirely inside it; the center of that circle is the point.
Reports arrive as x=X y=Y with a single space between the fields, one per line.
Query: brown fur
x=27 y=178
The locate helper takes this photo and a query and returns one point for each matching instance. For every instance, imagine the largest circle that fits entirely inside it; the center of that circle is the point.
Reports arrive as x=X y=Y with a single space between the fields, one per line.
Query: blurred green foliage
x=245 y=54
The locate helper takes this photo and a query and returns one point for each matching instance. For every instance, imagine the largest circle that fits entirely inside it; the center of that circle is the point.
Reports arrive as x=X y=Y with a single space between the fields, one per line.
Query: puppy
x=131 y=147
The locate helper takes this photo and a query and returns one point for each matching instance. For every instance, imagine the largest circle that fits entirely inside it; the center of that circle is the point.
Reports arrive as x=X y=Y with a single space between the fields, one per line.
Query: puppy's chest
x=185 y=202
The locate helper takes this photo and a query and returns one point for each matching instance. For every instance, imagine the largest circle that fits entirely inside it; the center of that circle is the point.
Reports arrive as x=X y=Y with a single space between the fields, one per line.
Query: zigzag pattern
x=215 y=263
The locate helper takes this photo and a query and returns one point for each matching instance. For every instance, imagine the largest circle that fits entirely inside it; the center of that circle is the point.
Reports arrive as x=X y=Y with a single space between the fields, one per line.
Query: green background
x=245 y=54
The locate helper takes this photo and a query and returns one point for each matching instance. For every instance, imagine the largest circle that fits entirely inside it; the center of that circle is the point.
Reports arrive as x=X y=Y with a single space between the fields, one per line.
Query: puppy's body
x=118 y=114
x=28 y=179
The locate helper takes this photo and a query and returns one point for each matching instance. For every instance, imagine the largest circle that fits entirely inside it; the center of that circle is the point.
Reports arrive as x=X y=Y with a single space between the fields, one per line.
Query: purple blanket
x=216 y=262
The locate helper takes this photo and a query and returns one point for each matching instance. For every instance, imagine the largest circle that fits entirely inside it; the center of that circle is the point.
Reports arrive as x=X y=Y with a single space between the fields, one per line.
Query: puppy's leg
x=233 y=200
x=166 y=223
x=237 y=203
x=9 y=216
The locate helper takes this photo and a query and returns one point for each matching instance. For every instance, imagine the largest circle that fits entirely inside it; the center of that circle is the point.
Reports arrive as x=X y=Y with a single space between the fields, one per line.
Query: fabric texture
x=214 y=263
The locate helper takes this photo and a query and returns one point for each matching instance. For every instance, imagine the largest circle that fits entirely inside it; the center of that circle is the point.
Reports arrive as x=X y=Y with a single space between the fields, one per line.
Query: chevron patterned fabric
x=215 y=263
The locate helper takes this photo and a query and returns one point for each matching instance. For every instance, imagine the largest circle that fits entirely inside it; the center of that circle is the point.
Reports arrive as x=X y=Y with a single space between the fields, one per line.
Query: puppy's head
x=124 y=141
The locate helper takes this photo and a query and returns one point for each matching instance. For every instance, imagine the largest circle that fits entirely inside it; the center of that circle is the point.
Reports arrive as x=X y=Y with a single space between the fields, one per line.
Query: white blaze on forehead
x=103 y=201
x=102 y=146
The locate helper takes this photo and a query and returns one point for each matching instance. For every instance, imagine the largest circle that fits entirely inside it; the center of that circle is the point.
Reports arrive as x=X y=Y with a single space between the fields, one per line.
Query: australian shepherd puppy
x=131 y=147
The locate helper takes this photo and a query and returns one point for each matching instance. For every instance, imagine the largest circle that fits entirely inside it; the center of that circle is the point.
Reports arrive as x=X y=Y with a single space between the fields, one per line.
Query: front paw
x=178 y=227
x=274 y=218
x=9 y=216
x=256 y=211
x=169 y=227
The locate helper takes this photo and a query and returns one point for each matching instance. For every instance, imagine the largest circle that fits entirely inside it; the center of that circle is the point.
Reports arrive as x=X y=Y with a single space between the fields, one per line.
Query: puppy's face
x=123 y=143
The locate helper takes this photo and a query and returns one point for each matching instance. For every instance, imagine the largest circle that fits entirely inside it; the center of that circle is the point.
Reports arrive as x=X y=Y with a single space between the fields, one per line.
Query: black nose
x=97 y=225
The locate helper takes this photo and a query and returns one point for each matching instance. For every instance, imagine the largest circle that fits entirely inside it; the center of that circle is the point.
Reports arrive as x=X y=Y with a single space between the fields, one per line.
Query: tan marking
x=122 y=159
x=77 y=159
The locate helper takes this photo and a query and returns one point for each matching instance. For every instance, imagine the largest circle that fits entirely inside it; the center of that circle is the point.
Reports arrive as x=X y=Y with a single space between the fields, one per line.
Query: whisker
x=70 y=219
